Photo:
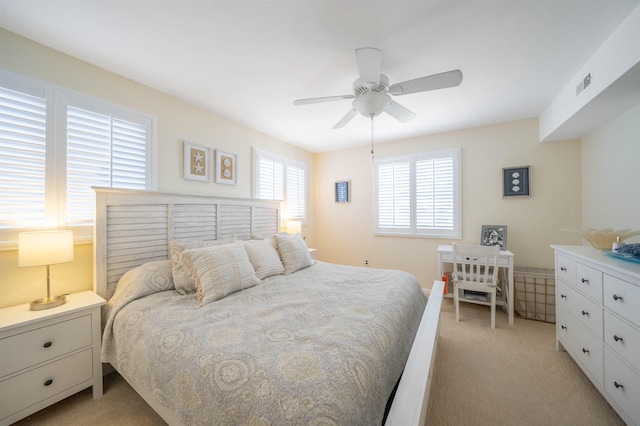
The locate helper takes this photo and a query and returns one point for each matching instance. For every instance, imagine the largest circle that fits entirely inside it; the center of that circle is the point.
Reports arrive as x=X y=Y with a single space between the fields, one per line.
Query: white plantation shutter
x=280 y=178
x=394 y=195
x=419 y=195
x=23 y=131
x=54 y=146
x=101 y=151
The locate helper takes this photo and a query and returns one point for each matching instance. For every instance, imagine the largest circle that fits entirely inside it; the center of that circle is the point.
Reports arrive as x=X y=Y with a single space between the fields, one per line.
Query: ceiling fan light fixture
x=371 y=104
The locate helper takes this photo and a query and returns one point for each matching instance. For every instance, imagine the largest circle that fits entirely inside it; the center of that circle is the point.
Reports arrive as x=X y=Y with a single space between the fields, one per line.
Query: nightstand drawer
x=23 y=350
x=26 y=389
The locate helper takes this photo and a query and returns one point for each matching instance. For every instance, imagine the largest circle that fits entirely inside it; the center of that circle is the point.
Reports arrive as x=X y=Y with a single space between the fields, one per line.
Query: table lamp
x=45 y=248
x=294 y=227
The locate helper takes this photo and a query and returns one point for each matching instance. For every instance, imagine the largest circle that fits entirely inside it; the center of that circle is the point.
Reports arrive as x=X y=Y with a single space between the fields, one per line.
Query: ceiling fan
x=372 y=92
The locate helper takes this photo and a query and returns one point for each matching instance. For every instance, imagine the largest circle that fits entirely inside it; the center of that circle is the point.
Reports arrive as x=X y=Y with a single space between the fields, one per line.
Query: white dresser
x=48 y=355
x=598 y=322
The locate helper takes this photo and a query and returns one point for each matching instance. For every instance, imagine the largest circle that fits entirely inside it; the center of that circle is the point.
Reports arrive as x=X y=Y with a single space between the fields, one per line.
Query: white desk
x=505 y=260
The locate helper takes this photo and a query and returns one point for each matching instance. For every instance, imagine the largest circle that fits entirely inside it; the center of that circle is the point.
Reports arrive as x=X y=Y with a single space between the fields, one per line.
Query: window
x=280 y=178
x=418 y=195
x=54 y=146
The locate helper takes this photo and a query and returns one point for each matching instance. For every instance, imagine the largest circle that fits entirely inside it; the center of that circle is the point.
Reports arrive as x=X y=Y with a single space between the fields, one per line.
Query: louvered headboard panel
x=135 y=227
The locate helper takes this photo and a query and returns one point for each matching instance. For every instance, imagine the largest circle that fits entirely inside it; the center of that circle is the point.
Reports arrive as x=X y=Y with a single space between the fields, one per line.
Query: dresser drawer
x=587 y=312
x=622 y=339
x=623 y=298
x=32 y=347
x=586 y=347
x=566 y=269
x=589 y=281
x=623 y=385
x=24 y=390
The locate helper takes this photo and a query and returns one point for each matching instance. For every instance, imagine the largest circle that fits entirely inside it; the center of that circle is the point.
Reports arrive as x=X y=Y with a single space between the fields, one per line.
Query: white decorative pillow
x=220 y=270
x=264 y=258
x=293 y=251
x=181 y=273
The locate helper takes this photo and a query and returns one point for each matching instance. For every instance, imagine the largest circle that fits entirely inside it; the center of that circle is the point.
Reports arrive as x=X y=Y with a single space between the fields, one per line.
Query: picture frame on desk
x=494 y=234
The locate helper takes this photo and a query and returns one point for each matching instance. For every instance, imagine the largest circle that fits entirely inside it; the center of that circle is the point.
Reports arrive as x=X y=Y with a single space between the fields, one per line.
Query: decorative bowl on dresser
x=48 y=355
x=598 y=322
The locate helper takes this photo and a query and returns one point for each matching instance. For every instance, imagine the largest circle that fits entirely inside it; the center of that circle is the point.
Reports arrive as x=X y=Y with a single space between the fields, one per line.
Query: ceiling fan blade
x=399 y=112
x=323 y=99
x=369 y=64
x=347 y=118
x=430 y=82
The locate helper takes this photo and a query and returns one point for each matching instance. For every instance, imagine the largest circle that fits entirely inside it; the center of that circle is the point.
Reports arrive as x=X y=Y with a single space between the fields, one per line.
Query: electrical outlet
x=366 y=261
x=587 y=81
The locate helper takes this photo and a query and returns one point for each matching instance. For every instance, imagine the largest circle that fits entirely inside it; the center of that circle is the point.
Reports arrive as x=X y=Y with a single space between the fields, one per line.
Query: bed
x=316 y=343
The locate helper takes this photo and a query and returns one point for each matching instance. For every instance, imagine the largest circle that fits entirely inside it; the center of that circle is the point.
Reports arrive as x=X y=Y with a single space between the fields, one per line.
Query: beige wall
x=533 y=222
x=611 y=174
x=176 y=121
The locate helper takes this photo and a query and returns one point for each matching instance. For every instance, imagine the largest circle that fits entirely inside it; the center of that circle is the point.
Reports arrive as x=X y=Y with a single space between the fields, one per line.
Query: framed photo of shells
x=226 y=164
x=515 y=181
x=197 y=162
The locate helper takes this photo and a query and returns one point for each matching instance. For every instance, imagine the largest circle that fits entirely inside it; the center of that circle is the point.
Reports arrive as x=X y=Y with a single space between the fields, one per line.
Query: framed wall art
x=226 y=168
x=515 y=181
x=343 y=191
x=197 y=162
x=494 y=235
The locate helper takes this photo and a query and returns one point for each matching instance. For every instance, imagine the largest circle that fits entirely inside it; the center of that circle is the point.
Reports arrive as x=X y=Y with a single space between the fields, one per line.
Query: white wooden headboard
x=135 y=227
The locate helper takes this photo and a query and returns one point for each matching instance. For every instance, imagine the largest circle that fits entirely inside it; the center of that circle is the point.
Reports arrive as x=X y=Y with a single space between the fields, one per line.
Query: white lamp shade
x=45 y=248
x=294 y=227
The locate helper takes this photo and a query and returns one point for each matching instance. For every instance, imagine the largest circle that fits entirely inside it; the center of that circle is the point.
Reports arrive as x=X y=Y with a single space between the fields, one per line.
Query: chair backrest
x=475 y=263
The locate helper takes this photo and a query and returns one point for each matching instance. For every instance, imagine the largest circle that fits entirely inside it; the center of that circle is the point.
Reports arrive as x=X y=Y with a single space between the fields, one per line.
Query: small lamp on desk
x=45 y=248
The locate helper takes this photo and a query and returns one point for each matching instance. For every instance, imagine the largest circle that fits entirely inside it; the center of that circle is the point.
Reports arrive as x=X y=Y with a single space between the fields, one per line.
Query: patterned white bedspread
x=323 y=346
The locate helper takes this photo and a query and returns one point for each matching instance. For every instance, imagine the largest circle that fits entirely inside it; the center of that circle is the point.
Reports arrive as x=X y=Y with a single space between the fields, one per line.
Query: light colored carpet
x=511 y=375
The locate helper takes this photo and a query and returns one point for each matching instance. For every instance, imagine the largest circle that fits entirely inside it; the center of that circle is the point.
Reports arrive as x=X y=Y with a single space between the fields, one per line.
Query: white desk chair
x=475 y=268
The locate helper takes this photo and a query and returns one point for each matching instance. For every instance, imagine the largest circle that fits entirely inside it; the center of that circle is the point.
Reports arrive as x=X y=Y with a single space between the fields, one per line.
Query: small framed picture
x=343 y=191
x=197 y=162
x=226 y=168
x=515 y=181
x=494 y=235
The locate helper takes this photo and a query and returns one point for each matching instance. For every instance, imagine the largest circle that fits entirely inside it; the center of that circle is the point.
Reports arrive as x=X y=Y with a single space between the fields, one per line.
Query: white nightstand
x=312 y=252
x=48 y=355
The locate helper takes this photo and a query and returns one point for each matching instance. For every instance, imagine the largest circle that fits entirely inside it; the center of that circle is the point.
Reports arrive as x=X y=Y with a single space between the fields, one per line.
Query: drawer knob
x=563 y=296
x=47 y=344
x=585 y=281
x=618 y=385
x=585 y=313
x=618 y=339
x=585 y=351
x=48 y=382
x=616 y=297
x=563 y=269
x=564 y=327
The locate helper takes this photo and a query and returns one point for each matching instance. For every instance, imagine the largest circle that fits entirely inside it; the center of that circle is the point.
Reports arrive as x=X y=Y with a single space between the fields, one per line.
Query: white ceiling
x=248 y=60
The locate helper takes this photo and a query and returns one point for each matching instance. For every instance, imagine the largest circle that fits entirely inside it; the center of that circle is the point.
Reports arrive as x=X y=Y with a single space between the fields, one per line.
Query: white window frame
x=288 y=164
x=57 y=100
x=412 y=230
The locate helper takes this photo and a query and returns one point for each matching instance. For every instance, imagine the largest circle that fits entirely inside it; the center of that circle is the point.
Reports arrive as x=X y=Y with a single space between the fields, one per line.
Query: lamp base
x=47 y=303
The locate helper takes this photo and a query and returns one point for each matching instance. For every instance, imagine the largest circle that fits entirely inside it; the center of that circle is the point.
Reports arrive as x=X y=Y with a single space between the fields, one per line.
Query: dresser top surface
x=596 y=256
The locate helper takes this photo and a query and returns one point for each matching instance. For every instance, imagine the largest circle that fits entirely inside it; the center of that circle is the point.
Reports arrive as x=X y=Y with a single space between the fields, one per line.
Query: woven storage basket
x=535 y=296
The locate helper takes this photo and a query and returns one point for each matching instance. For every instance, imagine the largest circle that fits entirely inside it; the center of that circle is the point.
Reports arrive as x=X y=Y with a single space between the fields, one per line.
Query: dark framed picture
x=515 y=181
x=343 y=191
x=494 y=235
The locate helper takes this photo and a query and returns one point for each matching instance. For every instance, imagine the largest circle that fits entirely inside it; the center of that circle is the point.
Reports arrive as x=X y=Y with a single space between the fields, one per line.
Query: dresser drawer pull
x=585 y=281
x=618 y=385
x=563 y=269
x=48 y=382
x=585 y=313
x=563 y=296
x=616 y=297
x=564 y=327
x=47 y=345
x=585 y=351
x=618 y=339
